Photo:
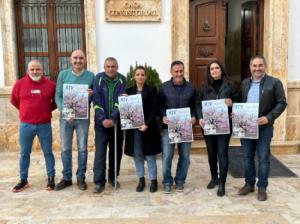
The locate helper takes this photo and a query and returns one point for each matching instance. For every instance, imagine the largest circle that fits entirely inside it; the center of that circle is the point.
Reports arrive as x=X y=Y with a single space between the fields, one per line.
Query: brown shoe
x=262 y=194
x=246 y=189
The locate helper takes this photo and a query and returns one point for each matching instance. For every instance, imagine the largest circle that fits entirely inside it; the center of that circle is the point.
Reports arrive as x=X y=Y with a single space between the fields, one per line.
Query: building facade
x=195 y=32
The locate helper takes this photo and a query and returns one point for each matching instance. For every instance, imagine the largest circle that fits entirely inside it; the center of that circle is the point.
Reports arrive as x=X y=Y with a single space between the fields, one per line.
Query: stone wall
x=9 y=130
x=293 y=111
x=9 y=124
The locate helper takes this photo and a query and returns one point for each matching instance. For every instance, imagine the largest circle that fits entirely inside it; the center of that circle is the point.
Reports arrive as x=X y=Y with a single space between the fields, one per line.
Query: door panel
x=206 y=20
x=206 y=40
x=206 y=36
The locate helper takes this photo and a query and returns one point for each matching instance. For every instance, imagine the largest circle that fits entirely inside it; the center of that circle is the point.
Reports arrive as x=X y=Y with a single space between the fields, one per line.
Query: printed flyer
x=131 y=111
x=245 y=120
x=179 y=125
x=75 y=101
x=215 y=116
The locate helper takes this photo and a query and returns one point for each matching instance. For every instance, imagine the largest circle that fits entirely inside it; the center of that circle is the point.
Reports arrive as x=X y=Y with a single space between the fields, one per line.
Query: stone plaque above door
x=133 y=10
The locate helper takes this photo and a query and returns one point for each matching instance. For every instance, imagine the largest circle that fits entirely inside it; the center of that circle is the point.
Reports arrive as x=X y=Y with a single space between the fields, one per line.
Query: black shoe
x=179 y=188
x=246 y=189
x=113 y=183
x=141 y=185
x=50 y=184
x=99 y=189
x=167 y=189
x=81 y=184
x=63 y=184
x=213 y=182
x=22 y=185
x=262 y=194
x=221 y=190
x=153 y=186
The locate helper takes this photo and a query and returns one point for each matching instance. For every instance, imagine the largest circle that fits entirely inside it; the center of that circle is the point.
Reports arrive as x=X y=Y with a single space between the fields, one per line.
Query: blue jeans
x=167 y=157
x=139 y=158
x=27 y=132
x=81 y=126
x=262 y=147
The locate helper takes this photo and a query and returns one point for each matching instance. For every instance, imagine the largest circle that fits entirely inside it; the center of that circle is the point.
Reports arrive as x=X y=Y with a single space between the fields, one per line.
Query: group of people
x=35 y=97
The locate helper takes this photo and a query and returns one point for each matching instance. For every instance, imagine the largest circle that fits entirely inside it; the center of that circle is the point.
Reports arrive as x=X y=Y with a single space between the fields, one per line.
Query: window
x=49 y=30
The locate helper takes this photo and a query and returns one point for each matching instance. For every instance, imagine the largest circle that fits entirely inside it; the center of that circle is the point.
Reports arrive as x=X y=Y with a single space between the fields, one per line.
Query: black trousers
x=104 y=137
x=217 y=149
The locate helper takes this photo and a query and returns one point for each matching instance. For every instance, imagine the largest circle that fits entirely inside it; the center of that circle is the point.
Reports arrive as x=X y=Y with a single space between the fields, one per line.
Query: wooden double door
x=208 y=29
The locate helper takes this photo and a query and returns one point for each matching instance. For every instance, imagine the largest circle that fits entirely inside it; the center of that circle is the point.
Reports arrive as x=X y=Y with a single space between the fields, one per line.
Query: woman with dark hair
x=216 y=86
x=144 y=143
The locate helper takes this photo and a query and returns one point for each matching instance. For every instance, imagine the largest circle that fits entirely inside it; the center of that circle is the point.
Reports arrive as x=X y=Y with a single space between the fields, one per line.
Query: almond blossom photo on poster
x=245 y=120
x=75 y=101
x=131 y=111
x=215 y=116
x=179 y=125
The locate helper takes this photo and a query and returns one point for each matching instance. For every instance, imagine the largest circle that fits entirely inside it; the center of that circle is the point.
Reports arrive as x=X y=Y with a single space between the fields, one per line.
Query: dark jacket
x=151 y=137
x=272 y=101
x=207 y=92
x=102 y=100
x=171 y=98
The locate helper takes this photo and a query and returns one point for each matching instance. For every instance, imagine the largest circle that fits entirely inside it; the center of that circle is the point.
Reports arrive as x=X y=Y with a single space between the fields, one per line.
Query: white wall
x=294 y=38
x=131 y=42
x=1 y=61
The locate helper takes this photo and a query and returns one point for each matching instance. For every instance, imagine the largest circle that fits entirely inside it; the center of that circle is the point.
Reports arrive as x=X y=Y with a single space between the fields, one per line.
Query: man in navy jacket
x=176 y=93
x=108 y=85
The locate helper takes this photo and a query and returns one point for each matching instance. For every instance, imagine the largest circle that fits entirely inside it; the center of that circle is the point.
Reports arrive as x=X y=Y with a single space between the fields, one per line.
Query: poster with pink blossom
x=245 y=120
x=180 y=125
x=215 y=117
x=75 y=101
x=131 y=111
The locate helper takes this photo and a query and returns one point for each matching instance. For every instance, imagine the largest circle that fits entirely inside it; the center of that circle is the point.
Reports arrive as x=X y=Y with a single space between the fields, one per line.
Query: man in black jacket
x=176 y=93
x=269 y=93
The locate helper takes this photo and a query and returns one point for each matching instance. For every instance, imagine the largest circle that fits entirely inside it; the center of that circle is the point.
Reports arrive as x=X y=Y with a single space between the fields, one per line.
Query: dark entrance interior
x=228 y=30
x=244 y=36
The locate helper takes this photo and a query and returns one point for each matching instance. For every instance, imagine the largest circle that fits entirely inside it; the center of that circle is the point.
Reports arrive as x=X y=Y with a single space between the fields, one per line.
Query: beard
x=35 y=78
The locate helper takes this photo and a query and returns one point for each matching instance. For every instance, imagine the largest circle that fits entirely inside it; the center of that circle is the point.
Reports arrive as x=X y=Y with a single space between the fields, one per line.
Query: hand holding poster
x=180 y=125
x=215 y=116
x=131 y=111
x=75 y=101
x=245 y=120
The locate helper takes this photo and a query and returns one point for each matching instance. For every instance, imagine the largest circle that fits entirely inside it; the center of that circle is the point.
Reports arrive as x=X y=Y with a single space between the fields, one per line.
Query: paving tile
x=195 y=205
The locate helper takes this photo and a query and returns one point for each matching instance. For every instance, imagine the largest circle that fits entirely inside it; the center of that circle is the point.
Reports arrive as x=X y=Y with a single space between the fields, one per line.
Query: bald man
x=77 y=74
x=33 y=96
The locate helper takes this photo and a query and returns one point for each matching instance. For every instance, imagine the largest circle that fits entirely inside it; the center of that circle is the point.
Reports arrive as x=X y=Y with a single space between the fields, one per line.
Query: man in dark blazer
x=269 y=93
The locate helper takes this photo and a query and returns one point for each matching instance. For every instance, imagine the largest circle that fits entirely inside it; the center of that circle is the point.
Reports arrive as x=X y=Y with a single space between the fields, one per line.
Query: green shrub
x=152 y=76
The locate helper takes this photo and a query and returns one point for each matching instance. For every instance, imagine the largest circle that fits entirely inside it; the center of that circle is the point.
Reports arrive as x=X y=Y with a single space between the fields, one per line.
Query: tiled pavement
x=195 y=205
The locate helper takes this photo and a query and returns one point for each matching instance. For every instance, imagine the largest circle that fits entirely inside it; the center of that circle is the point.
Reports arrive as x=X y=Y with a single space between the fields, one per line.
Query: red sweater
x=34 y=100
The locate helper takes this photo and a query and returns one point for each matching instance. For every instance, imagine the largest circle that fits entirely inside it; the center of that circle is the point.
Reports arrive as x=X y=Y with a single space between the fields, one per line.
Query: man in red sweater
x=33 y=96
